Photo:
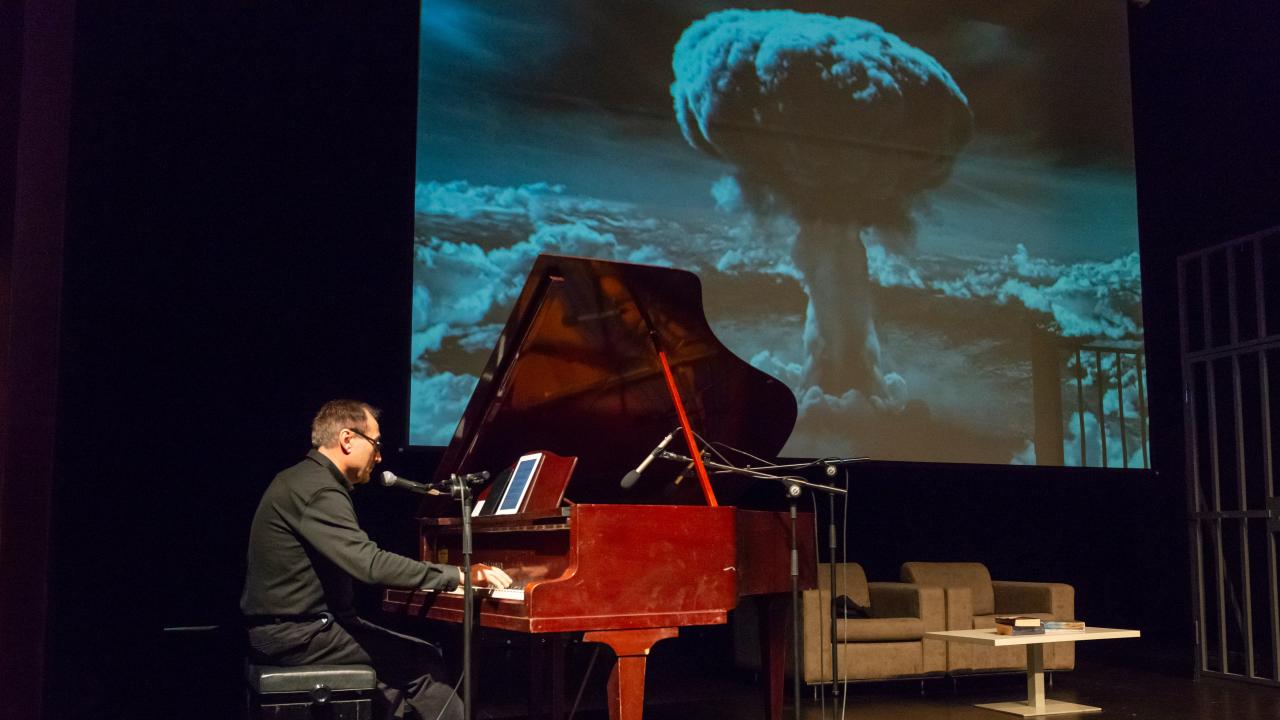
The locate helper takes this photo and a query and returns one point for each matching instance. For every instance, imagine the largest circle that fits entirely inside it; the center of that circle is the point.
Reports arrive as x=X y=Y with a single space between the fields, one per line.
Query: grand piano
x=596 y=364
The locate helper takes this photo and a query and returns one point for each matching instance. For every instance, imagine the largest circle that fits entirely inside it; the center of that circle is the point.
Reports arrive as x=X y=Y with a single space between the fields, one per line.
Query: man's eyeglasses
x=377 y=444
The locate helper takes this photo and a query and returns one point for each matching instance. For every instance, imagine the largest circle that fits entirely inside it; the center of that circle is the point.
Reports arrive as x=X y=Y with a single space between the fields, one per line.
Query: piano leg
x=626 y=681
x=774 y=618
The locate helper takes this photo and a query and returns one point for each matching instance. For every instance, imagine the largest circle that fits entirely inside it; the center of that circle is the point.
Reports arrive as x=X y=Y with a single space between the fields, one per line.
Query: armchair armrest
x=891 y=599
x=959 y=608
x=815 y=606
x=1056 y=599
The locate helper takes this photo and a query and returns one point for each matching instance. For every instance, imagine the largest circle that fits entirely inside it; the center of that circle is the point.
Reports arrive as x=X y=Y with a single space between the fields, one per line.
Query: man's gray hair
x=336 y=415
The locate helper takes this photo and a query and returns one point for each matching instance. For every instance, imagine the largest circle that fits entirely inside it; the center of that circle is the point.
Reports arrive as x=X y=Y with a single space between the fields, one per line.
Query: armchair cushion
x=896 y=600
x=1056 y=601
x=900 y=629
x=851 y=581
x=973 y=576
x=846 y=607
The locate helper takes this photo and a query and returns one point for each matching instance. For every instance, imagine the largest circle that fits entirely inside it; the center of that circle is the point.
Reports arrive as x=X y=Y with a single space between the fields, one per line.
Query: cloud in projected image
x=838 y=124
x=476 y=243
x=457 y=285
x=437 y=401
x=1088 y=299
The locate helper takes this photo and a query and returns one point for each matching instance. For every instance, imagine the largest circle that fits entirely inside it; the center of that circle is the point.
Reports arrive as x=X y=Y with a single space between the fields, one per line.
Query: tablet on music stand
x=521 y=480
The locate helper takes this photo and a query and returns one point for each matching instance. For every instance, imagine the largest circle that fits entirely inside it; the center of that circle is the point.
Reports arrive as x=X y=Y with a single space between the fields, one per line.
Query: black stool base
x=283 y=707
x=310 y=692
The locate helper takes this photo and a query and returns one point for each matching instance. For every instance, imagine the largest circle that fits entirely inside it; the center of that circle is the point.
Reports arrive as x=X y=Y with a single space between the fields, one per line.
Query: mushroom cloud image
x=840 y=125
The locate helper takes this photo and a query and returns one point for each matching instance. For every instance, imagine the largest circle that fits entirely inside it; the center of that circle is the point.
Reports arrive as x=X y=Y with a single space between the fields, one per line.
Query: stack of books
x=1063 y=626
x=1018 y=625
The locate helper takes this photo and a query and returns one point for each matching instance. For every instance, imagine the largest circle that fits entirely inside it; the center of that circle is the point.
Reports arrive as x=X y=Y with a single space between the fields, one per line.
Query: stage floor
x=692 y=678
x=1137 y=685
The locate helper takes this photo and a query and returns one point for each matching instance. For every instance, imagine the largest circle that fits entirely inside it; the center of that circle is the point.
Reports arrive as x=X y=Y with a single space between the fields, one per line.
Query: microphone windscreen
x=630 y=479
x=388 y=478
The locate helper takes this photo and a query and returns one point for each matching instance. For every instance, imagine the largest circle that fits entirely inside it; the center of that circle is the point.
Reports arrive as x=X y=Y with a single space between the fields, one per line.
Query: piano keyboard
x=513 y=593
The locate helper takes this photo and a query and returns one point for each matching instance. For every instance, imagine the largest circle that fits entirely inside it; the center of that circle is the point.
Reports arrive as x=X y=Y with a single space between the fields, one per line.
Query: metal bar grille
x=1241 y=490
x=1124 y=435
x=1190 y=395
x=1235 y=600
x=1084 y=461
x=1101 y=383
x=1142 y=408
x=1091 y=360
x=1269 y=480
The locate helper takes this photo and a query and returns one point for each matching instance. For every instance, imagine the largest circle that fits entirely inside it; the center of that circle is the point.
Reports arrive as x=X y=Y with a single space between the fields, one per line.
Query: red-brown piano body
x=576 y=373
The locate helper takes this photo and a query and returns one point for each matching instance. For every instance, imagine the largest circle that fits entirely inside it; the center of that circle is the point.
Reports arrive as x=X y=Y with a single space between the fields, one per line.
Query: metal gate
x=1229 y=302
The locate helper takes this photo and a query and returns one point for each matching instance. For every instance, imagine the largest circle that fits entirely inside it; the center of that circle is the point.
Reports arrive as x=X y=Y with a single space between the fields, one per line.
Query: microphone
x=630 y=478
x=390 y=479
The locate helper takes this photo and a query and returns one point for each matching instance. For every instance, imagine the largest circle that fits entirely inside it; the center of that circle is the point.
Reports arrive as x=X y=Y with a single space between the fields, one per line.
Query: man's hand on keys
x=489 y=576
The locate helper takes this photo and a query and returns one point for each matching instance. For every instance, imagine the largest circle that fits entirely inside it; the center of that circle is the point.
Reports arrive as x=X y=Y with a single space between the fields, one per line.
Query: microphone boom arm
x=759 y=474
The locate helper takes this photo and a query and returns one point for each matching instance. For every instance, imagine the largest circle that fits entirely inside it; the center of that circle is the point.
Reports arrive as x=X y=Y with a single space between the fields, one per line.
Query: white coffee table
x=1035 y=704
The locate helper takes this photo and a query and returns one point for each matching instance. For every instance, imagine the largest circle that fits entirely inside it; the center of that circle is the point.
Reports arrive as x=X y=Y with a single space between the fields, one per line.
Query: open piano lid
x=576 y=371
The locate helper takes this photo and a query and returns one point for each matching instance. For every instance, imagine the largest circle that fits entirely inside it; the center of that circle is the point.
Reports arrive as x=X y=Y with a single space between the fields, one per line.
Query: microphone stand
x=831 y=567
x=794 y=488
x=460 y=491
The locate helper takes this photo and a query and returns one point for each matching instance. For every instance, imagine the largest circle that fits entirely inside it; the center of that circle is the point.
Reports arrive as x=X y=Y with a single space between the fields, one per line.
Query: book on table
x=1025 y=630
x=1063 y=626
x=1018 y=625
x=1017 y=621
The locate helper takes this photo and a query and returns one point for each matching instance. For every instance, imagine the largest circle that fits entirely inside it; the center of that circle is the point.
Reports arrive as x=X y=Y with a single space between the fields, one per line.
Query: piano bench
x=310 y=692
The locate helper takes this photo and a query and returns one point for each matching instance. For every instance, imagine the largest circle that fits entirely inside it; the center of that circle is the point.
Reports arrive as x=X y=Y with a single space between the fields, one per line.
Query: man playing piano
x=306 y=547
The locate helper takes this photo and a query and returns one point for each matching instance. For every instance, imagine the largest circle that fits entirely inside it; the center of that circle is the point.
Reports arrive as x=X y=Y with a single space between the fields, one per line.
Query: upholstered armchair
x=973 y=600
x=889 y=643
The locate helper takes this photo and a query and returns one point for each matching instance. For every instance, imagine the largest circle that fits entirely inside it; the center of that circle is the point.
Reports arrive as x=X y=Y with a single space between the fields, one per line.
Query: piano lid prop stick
x=692 y=443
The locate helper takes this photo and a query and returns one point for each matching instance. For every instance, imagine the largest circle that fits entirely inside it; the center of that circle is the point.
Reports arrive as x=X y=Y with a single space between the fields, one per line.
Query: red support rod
x=691 y=443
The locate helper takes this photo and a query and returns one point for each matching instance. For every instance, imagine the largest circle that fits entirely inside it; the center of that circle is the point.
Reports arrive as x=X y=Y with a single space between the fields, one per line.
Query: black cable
x=743 y=453
x=765 y=464
x=712 y=447
x=451 y=697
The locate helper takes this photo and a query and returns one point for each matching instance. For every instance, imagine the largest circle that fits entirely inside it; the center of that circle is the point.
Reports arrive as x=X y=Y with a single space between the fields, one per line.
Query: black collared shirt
x=306 y=546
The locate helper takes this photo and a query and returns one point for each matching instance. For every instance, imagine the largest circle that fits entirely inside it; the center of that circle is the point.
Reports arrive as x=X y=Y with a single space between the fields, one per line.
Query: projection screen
x=919 y=214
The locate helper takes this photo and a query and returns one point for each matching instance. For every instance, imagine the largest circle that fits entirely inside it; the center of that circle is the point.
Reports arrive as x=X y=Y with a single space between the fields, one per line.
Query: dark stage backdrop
x=912 y=213
x=236 y=254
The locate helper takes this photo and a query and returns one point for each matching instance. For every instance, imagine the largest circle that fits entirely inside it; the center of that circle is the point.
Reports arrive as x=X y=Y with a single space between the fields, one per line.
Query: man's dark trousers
x=410 y=671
